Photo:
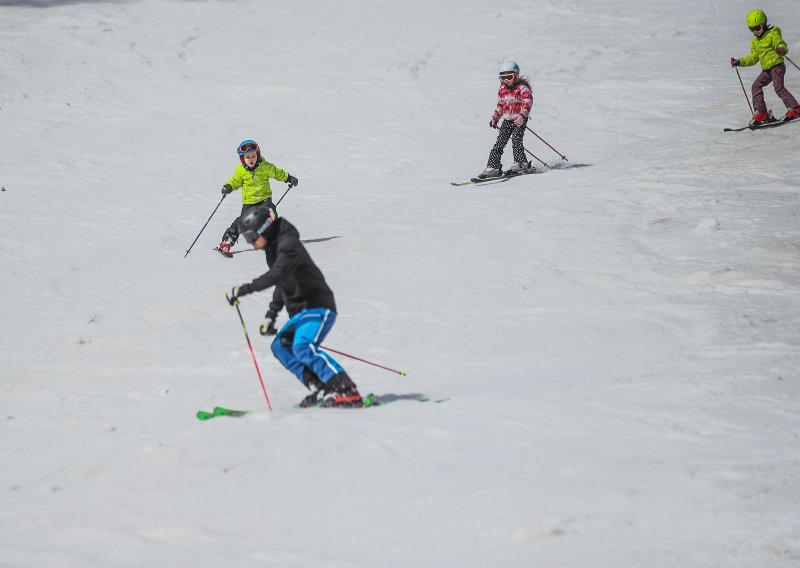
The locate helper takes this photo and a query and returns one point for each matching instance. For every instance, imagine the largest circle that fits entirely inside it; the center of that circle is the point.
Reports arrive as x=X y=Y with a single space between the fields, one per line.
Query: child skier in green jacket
x=768 y=48
x=252 y=176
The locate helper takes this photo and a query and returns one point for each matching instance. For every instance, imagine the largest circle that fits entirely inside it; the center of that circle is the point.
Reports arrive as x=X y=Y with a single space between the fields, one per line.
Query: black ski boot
x=316 y=387
x=341 y=393
x=228 y=240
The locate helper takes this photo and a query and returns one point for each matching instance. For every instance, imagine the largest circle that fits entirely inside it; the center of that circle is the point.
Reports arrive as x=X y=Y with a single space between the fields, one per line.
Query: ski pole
x=534 y=155
x=250 y=345
x=282 y=196
x=744 y=91
x=204 y=226
x=792 y=62
x=326 y=348
x=563 y=157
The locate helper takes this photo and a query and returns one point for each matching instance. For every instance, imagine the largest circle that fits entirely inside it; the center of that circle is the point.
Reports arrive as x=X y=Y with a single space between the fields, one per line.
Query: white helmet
x=509 y=67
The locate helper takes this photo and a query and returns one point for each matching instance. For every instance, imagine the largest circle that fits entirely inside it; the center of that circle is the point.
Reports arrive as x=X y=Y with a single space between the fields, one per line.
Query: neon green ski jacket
x=762 y=49
x=255 y=183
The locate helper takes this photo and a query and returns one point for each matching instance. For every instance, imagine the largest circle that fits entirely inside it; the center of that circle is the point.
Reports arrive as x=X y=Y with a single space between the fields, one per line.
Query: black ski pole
x=204 y=226
x=282 y=196
x=744 y=91
x=563 y=157
x=790 y=61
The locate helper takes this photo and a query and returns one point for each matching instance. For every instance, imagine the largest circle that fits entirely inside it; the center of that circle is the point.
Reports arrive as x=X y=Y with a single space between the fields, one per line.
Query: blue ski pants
x=297 y=344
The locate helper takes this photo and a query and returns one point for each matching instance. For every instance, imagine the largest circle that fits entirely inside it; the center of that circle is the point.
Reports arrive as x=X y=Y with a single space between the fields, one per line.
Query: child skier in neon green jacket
x=252 y=177
x=767 y=48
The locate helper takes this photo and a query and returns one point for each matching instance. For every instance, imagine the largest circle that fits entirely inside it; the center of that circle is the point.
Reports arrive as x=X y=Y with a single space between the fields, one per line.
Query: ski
x=219 y=411
x=771 y=124
x=488 y=181
x=230 y=254
x=369 y=401
x=476 y=181
x=372 y=400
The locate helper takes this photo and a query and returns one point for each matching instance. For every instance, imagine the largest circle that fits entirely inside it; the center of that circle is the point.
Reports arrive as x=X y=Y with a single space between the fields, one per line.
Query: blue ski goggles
x=247 y=146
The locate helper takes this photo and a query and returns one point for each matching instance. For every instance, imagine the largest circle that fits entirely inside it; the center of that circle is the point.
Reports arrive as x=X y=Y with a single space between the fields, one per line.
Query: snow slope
x=618 y=342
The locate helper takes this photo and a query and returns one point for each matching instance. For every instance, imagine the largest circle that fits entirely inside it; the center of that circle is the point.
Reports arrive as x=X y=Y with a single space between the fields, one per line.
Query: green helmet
x=756 y=18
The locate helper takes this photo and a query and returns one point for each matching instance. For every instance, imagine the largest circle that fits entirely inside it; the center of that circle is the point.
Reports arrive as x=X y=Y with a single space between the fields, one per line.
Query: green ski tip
x=219 y=411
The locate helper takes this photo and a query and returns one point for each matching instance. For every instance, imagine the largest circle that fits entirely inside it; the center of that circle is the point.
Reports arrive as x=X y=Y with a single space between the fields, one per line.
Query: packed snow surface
x=618 y=343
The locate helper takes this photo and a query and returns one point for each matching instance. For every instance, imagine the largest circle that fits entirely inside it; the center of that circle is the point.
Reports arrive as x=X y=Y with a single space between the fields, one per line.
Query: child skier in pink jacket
x=514 y=101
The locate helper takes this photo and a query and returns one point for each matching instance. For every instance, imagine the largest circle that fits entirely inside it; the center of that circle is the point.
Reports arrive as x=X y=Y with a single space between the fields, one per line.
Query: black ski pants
x=508 y=130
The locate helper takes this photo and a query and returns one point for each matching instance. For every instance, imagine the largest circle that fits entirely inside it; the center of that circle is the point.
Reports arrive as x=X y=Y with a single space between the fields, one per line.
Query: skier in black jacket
x=301 y=288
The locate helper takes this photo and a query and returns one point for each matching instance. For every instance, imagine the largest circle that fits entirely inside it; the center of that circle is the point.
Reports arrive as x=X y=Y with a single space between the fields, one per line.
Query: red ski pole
x=244 y=329
x=325 y=347
x=563 y=157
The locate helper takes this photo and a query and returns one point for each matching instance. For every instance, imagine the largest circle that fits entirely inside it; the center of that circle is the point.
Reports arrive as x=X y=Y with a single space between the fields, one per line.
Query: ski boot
x=316 y=387
x=490 y=173
x=228 y=240
x=792 y=113
x=520 y=168
x=341 y=393
x=760 y=118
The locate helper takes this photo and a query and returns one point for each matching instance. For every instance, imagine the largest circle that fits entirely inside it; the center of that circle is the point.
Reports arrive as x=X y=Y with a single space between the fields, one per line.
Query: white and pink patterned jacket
x=513 y=102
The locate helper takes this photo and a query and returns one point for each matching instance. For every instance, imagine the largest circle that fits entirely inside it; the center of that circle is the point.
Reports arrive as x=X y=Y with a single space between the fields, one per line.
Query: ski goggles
x=246 y=147
x=252 y=235
x=757 y=28
x=504 y=76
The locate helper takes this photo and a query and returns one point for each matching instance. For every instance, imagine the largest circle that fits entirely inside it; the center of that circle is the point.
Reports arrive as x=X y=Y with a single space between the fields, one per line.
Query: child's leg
x=516 y=143
x=777 y=81
x=268 y=203
x=231 y=234
x=502 y=139
x=764 y=79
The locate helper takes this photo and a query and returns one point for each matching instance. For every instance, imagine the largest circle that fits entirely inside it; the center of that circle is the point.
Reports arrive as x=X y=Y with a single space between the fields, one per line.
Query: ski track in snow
x=617 y=339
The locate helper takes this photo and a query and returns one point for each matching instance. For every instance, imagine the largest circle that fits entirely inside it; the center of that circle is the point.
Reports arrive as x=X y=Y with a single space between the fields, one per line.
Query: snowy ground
x=618 y=342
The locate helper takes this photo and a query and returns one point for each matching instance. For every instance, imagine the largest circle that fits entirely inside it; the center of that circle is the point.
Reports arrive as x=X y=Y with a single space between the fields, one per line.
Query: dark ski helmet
x=255 y=222
x=246 y=146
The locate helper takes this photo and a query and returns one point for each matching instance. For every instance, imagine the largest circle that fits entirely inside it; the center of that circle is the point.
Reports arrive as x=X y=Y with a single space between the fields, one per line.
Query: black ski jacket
x=299 y=284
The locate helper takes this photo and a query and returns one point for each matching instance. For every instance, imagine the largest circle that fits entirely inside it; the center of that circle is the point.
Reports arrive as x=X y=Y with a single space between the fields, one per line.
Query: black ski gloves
x=268 y=327
x=292 y=181
x=237 y=292
x=226 y=189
